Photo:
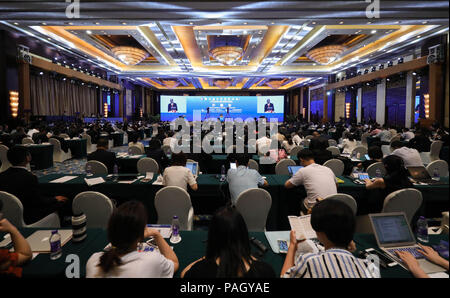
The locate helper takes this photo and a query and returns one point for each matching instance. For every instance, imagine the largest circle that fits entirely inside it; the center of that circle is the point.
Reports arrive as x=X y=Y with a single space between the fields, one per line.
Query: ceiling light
x=41 y=73
x=88 y=31
x=227 y=55
x=326 y=54
x=123 y=23
x=341 y=22
x=313 y=23
x=97 y=23
x=16 y=24
x=245 y=23
x=171 y=84
x=191 y=23
x=373 y=31
x=369 y=22
x=129 y=55
x=424 y=22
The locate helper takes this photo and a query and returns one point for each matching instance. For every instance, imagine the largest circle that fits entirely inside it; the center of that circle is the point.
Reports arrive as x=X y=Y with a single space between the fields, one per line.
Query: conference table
x=213 y=193
x=191 y=248
x=41 y=155
x=78 y=147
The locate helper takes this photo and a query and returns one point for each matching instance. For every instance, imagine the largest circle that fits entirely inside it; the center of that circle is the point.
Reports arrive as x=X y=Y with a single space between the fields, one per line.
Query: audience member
x=178 y=175
x=410 y=156
x=103 y=155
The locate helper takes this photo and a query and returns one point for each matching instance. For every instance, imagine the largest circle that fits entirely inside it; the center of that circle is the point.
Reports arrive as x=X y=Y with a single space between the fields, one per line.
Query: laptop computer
x=393 y=233
x=40 y=240
x=193 y=166
x=293 y=169
x=420 y=174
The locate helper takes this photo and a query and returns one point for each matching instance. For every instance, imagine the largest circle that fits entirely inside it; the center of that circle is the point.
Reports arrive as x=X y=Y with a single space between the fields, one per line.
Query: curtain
x=51 y=97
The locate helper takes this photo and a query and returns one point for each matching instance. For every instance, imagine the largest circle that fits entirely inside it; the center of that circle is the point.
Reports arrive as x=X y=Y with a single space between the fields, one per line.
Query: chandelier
x=227 y=55
x=222 y=84
x=129 y=55
x=171 y=84
x=275 y=84
x=325 y=55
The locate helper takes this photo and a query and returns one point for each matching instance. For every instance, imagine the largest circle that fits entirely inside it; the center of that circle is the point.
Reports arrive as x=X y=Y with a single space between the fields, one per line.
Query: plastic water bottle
x=116 y=170
x=422 y=229
x=88 y=170
x=175 y=238
x=378 y=173
x=436 y=175
x=55 y=245
x=223 y=173
x=129 y=151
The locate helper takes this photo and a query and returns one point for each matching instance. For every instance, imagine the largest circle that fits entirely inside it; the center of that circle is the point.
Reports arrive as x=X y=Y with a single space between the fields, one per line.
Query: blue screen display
x=199 y=108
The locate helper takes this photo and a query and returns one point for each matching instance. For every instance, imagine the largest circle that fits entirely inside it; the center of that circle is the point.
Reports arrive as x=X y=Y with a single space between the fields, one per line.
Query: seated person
x=170 y=140
x=410 y=156
x=10 y=261
x=319 y=181
x=334 y=223
x=243 y=178
x=228 y=253
x=411 y=262
x=178 y=175
x=349 y=143
x=288 y=145
x=127 y=227
x=154 y=151
x=375 y=155
x=318 y=146
x=407 y=134
x=18 y=181
x=63 y=143
x=420 y=142
x=103 y=155
x=134 y=141
x=396 y=178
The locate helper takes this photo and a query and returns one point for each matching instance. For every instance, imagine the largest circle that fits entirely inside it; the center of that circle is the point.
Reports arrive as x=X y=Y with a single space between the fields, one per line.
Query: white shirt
x=134 y=265
x=410 y=156
x=296 y=139
x=31 y=132
x=264 y=141
x=170 y=141
x=348 y=145
x=319 y=182
x=408 y=135
x=178 y=176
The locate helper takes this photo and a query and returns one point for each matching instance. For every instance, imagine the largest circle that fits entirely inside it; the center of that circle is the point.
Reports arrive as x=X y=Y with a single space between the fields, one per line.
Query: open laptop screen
x=392 y=229
x=193 y=167
x=293 y=169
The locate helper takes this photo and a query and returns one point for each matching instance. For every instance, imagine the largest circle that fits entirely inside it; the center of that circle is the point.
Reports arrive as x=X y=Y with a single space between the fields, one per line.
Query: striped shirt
x=332 y=263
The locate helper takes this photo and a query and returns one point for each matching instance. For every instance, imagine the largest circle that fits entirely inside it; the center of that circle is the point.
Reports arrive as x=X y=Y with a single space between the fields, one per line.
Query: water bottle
x=175 y=237
x=422 y=230
x=88 y=170
x=223 y=173
x=55 y=245
x=129 y=151
x=378 y=173
x=116 y=170
x=436 y=175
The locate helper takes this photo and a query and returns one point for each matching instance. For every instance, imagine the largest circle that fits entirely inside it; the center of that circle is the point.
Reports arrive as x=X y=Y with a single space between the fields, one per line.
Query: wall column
x=359 y=105
x=381 y=102
x=325 y=106
x=410 y=99
x=435 y=86
x=24 y=90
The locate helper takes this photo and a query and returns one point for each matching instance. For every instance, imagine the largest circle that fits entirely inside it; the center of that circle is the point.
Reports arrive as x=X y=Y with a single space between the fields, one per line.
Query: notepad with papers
x=63 y=179
x=94 y=181
x=302 y=227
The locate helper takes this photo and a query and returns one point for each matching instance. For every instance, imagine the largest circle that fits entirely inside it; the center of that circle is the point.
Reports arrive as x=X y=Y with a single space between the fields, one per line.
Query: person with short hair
x=178 y=175
x=242 y=178
x=20 y=182
x=134 y=141
x=228 y=251
x=375 y=155
x=334 y=223
x=103 y=155
x=319 y=181
x=407 y=134
x=410 y=156
x=127 y=228
x=349 y=143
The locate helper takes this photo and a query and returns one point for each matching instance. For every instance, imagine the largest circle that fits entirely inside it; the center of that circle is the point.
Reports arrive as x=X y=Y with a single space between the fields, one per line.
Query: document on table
x=127 y=181
x=302 y=227
x=94 y=181
x=63 y=179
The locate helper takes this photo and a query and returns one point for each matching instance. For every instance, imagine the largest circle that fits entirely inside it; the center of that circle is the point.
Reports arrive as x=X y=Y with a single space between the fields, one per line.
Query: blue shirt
x=241 y=179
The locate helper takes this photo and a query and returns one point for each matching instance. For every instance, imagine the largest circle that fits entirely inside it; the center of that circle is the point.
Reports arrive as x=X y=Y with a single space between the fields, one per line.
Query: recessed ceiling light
x=16 y=24
x=70 y=24
x=44 y=24
x=97 y=23
x=123 y=23
x=272 y=23
x=88 y=31
x=398 y=22
x=373 y=31
x=341 y=22
x=313 y=23
x=424 y=22
x=191 y=23
x=369 y=22
x=245 y=23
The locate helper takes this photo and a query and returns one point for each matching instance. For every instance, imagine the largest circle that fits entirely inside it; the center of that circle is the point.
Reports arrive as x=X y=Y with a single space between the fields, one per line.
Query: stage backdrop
x=223 y=107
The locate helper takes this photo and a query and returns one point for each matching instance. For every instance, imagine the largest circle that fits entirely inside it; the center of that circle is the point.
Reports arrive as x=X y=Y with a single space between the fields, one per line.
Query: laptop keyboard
x=412 y=250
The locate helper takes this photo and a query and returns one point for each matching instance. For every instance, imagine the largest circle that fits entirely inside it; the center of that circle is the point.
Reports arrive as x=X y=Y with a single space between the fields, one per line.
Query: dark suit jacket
x=105 y=157
x=268 y=107
x=24 y=185
x=64 y=146
x=159 y=156
x=172 y=107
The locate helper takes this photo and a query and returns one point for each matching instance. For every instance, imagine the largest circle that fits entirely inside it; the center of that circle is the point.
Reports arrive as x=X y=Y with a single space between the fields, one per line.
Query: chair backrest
x=96 y=206
x=254 y=206
x=56 y=145
x=27 y=141
x=305 y=142
x=88 y=139
x=334 y=150
x=135 y=150
x=440 y=165
x=295 y=150
x=359 y=149
x=147 y=164
x=64 y=135
x=372 y=169
x=435 y=149
x=252 y=164
x=170 y=201
x=166 y=149
x=282 y=166
x=386 y=149
x=336 y=165
x=12 y=209
x=345 y=198
x=332 y=142
x=396 y=137
x=406 y=200
x=364 y=138
x=309 y=137
x=4 y=158
x=97 y=167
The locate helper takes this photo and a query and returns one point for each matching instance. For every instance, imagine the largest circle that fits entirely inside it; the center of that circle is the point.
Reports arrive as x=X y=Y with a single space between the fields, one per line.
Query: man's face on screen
x=268 y=101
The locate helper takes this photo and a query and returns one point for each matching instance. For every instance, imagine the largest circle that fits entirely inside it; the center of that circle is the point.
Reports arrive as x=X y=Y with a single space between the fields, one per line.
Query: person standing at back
x=103 y=155
x=319 y=181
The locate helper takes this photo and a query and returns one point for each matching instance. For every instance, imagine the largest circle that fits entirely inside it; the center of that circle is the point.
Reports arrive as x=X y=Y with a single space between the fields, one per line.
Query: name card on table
x=63 y=179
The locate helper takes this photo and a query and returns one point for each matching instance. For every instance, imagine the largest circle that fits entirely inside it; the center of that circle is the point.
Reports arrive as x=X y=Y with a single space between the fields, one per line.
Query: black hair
x=242 y=159
x=351 y=137
x=335 y=219
x=228 y=240
x=125 y=227
x=154 y=143
x=179 y=159
x=134 y=137
x=375 y=152
x=17 y=155
x=397 y=144
x=102 y=142
x=395 y=164
x=305 y=154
